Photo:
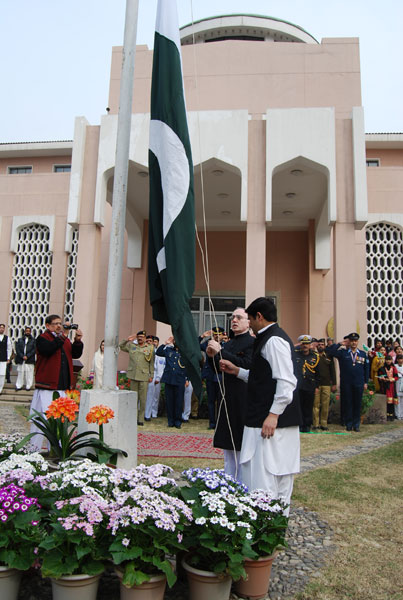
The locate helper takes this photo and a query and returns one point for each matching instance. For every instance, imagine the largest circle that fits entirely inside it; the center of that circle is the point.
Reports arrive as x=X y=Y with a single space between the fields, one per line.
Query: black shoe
x=147 y=419
x=140 y=423
x=18 y=389
x=192 y=417
x=356 y=429
x=170 y=425
x=315 y=428
x=325 y=428
x=211 y=427
x=185 y=420
x=348 y=429
x=177 y=426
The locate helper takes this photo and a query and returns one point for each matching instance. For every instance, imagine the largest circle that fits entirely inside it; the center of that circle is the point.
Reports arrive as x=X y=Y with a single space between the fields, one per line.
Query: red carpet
x=177 y=445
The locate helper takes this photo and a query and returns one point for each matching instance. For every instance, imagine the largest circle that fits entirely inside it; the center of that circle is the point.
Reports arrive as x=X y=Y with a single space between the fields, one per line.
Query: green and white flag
x=171 y=250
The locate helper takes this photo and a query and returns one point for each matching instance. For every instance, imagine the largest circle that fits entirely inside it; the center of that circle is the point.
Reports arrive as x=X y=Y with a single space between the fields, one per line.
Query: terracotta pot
x=75 y=587
x=207 y=585
x=9 y=583
x=154 y=589
x=256 y=585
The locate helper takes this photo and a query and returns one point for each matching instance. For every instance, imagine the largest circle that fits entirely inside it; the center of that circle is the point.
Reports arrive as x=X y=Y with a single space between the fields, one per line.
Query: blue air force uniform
x=174 y=377
x=354 y=374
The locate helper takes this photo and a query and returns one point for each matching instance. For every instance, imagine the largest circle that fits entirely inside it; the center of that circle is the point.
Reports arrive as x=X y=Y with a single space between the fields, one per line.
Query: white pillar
x=121 y=431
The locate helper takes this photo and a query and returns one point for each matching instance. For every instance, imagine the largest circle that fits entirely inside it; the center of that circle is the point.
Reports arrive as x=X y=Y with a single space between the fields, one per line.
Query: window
x=32 y=273
x=19 y=170
x=384 y=246
x=61 y=168
x=372 y=162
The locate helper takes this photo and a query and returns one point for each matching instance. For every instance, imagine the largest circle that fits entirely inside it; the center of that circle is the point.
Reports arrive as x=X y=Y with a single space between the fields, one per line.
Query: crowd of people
x=262 y=390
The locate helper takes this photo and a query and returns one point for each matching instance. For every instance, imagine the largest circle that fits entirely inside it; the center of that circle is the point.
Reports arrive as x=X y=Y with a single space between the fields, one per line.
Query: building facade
x=293 y=199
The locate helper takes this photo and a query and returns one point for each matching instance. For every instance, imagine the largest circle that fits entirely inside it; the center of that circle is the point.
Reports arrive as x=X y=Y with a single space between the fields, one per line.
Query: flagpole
x=116 y=244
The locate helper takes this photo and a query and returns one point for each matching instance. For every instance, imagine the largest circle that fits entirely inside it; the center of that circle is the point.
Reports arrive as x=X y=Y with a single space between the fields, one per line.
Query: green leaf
x=166 y=567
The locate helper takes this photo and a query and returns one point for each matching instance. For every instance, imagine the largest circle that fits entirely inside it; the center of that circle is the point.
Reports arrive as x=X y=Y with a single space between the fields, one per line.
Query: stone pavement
x=310 y=540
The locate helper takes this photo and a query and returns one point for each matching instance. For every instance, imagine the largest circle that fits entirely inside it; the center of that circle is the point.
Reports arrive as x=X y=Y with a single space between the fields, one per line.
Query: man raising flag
x=171 y=254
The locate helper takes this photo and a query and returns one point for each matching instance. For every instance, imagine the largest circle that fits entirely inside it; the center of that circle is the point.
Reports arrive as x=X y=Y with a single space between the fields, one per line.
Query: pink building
x=298 y=202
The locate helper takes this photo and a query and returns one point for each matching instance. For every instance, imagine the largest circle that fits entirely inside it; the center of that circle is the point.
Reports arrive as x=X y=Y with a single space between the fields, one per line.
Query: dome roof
x=243 y=27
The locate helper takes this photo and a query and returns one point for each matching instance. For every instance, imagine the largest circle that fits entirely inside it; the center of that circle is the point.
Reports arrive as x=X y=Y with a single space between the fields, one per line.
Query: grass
x=362 y=499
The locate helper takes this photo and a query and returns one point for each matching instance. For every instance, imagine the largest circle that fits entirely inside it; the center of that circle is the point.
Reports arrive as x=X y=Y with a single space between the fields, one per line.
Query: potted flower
x=218 y=539
x=20 y=534
x=22 y=469
x=13 y=443
x=74 y=549
x=59 y=425
x=269 y=527
x=101 y=415
x=368 y=397
x=146 y=525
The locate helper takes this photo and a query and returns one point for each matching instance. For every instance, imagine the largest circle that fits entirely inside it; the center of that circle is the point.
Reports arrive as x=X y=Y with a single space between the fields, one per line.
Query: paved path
x=366 y=445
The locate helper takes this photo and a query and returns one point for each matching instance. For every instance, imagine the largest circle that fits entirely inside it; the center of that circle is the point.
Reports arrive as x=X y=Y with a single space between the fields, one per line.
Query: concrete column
x=345 y=273
x=89 y=254
x=256 y=221
x=121 y=431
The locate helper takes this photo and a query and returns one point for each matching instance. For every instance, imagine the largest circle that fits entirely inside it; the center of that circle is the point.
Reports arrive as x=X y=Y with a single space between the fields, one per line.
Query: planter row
x=202 y=584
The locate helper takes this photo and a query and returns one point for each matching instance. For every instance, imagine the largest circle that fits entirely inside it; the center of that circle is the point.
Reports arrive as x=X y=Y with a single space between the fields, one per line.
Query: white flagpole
x=116 y=245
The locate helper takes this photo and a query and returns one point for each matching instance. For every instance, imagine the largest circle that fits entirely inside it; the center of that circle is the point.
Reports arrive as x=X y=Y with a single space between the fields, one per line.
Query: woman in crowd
x=388 y=375
x=98 y=366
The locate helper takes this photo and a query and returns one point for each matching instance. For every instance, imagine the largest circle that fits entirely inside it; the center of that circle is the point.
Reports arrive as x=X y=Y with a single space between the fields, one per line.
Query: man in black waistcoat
x=270 y=446
x=232 y=408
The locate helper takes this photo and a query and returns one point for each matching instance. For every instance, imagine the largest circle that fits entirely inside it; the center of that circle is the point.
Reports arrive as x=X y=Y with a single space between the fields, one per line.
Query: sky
x=55 y=56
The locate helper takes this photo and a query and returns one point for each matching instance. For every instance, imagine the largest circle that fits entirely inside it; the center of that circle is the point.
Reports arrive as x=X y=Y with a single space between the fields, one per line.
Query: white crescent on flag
x=175 y=177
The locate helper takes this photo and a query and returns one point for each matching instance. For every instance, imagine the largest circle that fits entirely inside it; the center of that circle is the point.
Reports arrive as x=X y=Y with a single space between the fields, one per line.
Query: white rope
x=204 y=254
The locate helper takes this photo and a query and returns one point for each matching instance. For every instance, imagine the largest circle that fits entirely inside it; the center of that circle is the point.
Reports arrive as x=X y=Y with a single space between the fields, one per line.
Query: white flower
x=200 y=521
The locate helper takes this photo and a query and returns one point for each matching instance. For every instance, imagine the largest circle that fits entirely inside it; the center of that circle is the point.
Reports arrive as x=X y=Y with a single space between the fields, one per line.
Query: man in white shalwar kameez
x=5 y=354
x=270 y=453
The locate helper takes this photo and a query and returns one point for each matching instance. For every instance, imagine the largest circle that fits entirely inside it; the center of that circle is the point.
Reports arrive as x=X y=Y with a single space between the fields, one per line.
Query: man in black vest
x=270 y=447
x=5 y=354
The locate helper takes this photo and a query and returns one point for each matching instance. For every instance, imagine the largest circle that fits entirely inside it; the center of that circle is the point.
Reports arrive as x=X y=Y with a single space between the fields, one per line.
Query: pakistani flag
x=171 y=254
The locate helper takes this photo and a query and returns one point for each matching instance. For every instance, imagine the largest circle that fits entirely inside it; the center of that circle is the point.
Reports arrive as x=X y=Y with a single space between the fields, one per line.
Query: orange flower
x=74 y=395
x=62 y=408
x=100 y=414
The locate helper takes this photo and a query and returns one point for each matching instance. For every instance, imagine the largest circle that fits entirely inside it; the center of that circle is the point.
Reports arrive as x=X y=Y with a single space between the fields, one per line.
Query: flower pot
x=256 y=585
x=75 y=587
x=154 y=589
x=207 y=585
x=9 y=583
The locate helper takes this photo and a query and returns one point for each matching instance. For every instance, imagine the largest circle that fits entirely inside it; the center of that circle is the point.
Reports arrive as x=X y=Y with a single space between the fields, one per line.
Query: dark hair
x=156 y=338
x=51 y=318
x=2 y=324
x=265 y=306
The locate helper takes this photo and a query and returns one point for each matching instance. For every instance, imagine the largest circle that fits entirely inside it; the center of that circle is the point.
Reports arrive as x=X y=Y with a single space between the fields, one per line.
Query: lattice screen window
x=71 y=278
x=32 y=272
x=384 y=281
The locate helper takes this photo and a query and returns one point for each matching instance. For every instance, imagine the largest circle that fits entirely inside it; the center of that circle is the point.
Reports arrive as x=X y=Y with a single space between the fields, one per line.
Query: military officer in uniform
x=308 y=381
x=327 y=383
x=141 y=368
x=175 y=379
x=354 y=373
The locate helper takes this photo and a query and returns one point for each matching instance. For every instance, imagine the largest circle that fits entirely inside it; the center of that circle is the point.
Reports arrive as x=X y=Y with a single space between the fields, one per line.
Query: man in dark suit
x=232 y=408
x=354 y=374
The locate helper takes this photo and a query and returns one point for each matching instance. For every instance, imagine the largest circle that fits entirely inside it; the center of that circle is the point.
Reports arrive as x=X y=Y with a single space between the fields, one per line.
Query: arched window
x=32 y=273
x=384 y=249
x=71 y=278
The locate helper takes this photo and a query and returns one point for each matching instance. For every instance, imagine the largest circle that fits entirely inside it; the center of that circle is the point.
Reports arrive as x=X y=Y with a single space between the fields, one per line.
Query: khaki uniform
x=139 y=371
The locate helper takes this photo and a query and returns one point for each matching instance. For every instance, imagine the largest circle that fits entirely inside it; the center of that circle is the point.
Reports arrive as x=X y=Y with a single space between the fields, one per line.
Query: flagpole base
x=121 y=431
